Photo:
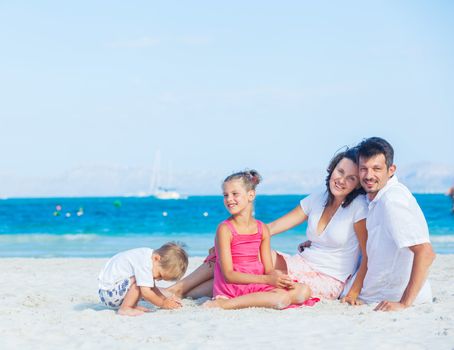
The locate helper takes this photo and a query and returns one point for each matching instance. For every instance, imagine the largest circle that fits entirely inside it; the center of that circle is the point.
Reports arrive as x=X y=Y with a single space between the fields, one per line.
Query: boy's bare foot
x=129 y=311
x=141 y=308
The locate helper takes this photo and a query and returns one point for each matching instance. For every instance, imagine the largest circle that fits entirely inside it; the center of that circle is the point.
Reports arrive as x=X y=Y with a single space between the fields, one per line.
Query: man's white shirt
x=394 y=222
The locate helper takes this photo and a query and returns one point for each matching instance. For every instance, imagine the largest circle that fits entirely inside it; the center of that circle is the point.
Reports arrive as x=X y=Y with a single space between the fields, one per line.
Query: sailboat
x=167 y=193
x=156 y=189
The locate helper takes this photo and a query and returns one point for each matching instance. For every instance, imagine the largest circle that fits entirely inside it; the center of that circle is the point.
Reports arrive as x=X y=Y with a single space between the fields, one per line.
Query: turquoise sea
x=100 y=227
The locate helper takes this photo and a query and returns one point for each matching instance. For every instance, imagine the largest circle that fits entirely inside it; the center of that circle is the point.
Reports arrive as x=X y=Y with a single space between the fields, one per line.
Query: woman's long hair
x=349 y=153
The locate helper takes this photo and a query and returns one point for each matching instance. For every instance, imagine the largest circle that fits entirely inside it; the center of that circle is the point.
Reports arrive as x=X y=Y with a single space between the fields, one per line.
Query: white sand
x=53 y=304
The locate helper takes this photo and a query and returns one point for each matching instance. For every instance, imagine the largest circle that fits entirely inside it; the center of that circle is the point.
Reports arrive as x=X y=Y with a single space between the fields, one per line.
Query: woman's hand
x=280 y=280
x=211 y=251
x=303 y=245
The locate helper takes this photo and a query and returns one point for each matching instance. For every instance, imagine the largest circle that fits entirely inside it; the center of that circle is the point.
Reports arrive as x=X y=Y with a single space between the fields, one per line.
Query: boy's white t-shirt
x=335 y=251
x=135 y=262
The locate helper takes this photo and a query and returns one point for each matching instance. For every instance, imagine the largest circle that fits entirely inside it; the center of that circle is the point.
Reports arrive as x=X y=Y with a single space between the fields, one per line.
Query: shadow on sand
x=91 y=306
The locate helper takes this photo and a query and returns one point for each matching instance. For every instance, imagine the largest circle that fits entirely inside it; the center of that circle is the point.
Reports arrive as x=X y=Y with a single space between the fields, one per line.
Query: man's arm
x=423 y=258
x=353 y=293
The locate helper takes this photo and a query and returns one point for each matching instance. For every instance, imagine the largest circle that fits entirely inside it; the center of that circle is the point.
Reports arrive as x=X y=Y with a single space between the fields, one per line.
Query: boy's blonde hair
x=174 y=259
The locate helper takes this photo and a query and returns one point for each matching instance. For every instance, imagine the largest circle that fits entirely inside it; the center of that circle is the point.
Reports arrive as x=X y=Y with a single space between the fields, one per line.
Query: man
x=399 y=252
x=451 y=194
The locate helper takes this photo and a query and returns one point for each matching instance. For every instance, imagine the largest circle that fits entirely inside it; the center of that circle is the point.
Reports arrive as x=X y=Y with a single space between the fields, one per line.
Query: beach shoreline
x=52 y=303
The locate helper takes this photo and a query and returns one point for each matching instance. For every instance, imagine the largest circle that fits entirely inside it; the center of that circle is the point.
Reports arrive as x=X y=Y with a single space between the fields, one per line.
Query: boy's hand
x=170 y=303
x=211 y=251
x=280 y=280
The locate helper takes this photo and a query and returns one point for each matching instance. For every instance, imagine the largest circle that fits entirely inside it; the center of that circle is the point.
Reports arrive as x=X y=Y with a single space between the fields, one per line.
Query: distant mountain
x=110 y=180
x=427 y=177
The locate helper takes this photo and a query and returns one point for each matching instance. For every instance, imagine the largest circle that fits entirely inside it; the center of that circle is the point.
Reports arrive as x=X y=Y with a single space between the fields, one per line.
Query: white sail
x=156 y=189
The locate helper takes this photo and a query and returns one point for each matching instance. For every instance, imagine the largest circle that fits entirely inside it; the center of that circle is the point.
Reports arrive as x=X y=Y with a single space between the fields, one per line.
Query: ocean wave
x=442 y=239
x=99 y=245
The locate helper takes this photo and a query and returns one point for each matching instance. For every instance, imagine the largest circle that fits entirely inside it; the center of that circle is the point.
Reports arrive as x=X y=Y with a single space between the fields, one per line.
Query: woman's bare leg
x=195 y=279
x=279 y=262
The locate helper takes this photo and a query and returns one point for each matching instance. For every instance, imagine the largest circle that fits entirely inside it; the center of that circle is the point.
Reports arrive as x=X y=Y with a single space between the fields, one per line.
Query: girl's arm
x=353 y=293
x=281 y=280
x=288 y=221
x=265 y=251
x=223 y=241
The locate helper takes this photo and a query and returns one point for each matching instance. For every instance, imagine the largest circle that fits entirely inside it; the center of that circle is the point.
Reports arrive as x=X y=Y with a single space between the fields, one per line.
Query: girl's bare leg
x=275 y=299
x=192 y=281
x=129 y=306
x=300 y=293
x=204 y=289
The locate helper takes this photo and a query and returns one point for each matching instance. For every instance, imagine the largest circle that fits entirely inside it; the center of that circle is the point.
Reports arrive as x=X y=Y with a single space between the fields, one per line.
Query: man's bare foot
x=141 y=308
x=209 y=304
x=129 y=311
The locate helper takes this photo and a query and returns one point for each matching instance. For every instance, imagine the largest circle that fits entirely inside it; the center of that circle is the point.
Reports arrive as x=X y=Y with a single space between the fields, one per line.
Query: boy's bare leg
x=202 y=274
x=129 y=305
x=142 y=308
x=275 y=299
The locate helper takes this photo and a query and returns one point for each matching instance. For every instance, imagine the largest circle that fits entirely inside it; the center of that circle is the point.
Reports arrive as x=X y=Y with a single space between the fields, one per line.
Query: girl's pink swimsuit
x=245 y=258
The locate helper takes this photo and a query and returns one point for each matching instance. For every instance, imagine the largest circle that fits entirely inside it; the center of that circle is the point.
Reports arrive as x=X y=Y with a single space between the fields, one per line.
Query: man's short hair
x=374 y=146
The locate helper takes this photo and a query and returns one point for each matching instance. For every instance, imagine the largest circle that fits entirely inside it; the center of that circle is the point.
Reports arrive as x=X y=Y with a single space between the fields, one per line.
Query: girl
x=243 y=272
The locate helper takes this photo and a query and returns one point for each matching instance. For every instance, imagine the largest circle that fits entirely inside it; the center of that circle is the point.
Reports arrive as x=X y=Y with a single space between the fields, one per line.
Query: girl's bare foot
x=173 y=291
x=213 y=303
x=129 y=311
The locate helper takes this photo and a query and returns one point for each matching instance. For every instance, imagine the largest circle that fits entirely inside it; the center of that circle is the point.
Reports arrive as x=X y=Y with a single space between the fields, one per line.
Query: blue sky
x=278 y=86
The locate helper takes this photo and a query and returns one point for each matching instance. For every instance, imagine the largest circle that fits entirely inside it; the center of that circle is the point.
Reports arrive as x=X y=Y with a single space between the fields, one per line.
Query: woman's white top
x=135 y=262
x=334 y=251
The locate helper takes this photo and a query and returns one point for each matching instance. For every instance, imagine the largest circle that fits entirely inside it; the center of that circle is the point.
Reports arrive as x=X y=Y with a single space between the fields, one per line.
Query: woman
x=337 y=234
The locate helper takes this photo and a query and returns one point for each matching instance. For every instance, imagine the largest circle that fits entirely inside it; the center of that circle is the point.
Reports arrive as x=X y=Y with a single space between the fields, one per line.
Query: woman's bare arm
x=287 y=221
